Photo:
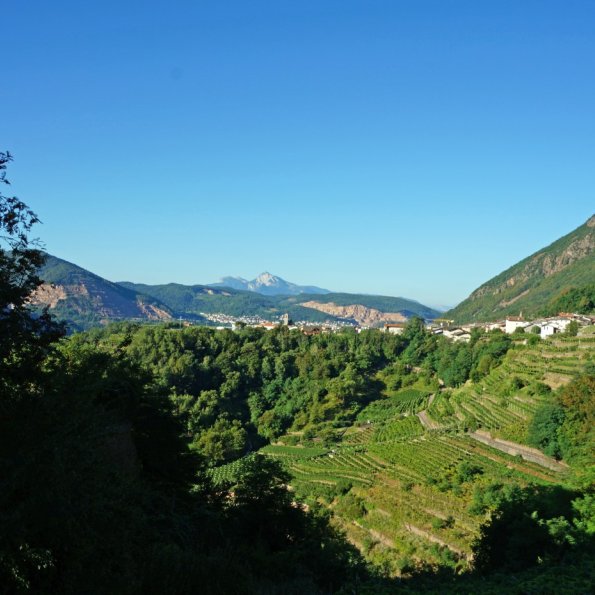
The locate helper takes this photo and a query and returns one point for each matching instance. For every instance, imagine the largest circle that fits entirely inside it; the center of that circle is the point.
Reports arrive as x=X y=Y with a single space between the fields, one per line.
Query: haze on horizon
x=395 y=148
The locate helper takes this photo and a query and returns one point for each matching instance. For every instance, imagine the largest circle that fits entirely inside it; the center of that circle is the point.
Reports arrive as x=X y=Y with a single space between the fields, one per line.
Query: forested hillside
x=152 y=459
x=100 y=490
x=539 y=285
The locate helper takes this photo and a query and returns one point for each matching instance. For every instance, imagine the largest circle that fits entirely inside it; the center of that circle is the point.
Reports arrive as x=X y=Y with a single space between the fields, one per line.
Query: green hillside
x=189 y=300
x=84 y=299
x=534 y=285
x=416 y=483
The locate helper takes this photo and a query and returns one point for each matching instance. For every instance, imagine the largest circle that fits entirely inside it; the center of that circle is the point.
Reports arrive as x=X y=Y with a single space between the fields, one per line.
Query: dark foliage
x=24 y=338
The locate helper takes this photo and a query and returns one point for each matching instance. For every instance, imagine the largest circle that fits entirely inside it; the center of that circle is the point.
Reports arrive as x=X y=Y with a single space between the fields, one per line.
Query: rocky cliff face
x=361 y=314
x=105 y=304
x=85 y=299
x=543 y=264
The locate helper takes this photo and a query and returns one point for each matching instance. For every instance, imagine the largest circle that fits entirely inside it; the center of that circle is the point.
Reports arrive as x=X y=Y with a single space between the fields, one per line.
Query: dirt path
x=512 y=448
x=427 y=422
x=502 y=461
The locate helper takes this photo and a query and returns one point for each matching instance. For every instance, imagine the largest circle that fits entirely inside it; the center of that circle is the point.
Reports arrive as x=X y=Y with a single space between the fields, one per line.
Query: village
x=543 y=327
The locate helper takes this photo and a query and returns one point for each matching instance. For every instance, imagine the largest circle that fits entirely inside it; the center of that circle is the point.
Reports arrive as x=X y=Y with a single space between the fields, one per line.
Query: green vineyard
x=408 y=480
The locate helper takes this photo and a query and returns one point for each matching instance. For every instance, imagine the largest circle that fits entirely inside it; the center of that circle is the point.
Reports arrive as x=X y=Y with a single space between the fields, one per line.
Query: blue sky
x=412 y=148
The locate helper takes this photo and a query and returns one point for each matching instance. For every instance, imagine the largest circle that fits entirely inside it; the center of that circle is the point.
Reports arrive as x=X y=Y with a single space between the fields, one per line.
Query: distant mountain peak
x=268 y=279
x=268 y=284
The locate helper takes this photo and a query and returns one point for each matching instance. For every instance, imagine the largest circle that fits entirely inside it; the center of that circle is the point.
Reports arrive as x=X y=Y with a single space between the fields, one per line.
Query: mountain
x=267 y=284
x=536 y=284
x=367 y=310
x=192 y=300
x=84 y=299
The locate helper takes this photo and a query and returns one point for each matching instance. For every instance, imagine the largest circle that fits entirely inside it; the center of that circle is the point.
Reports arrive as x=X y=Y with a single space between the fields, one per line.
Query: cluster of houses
x=545 y=327
x=306 y=327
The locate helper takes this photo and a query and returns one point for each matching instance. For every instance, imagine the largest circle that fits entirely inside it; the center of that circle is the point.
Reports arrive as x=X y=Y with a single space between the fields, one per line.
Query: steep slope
x=533 y=283
x=84 y=299
x=267 y=284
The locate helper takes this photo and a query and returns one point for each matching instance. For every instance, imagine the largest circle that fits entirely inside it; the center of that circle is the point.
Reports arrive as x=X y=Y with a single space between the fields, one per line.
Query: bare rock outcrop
x=361 y=314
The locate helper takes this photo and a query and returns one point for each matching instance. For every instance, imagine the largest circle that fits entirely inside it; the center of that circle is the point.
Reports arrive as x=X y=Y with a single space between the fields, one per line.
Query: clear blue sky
x=412 y=148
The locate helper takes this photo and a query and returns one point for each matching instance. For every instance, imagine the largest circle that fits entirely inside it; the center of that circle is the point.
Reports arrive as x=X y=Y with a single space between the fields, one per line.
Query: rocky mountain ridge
x=84 y=299
x=535 y=281
x=268 y=284
x=361 y=314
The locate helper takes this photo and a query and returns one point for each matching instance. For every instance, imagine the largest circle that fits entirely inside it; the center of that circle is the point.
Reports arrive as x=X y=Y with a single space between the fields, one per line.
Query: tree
x=572 y=329
x=577 y=434
x=544 y=427
x=24 y=336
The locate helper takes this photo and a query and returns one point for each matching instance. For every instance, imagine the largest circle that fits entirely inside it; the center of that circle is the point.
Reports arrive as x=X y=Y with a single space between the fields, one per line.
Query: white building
x=513 y=323
x=457 y=334
x=552 y=327
x=394 y=329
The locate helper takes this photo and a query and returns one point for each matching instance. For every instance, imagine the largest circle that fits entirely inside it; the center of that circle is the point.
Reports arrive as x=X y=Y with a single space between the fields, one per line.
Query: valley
x=297 y=298
x=84 y=300
x=191 y=438
x=413 y=444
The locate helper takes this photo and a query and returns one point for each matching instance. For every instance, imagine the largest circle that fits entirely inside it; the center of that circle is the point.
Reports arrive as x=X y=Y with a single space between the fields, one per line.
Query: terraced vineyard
x=417 y=486
x=225 y=473
x=403 y=402
x=398 y=430
x=505 y=408
x=414 y=497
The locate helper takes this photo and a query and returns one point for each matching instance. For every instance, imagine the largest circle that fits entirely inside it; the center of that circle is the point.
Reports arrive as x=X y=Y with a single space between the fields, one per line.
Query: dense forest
x=152 y=459
x=235 y=391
